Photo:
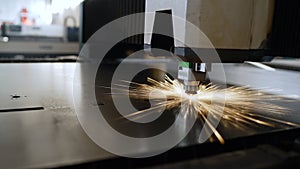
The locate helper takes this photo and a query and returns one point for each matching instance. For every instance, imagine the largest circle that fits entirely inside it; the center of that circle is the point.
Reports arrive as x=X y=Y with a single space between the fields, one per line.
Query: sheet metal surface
x=54 y=137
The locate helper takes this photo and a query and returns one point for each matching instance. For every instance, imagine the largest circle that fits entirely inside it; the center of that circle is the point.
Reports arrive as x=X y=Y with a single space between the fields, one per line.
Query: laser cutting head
x=191 y=75
x=165 y=29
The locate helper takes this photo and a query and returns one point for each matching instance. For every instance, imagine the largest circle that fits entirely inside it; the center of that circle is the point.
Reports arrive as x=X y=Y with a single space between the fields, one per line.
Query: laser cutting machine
x=40 y=129
x=233 y=26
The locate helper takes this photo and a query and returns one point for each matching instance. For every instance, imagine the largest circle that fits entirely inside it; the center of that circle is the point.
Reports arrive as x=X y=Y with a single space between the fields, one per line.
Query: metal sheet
x=53 y=137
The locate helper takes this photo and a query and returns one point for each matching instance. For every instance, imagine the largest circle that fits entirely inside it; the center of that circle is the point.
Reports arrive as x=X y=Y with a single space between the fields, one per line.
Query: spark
x=235 y=104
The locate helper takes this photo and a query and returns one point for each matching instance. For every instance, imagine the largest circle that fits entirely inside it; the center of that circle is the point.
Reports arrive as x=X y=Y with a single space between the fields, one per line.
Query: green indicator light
x=185 y=64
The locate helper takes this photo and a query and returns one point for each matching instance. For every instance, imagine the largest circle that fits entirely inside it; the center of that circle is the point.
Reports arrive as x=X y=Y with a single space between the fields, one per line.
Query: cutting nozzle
x=191 y=87
x=191 y=75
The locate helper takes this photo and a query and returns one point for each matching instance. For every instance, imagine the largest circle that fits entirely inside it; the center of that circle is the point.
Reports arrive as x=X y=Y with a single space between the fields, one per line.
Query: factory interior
x=150 y=84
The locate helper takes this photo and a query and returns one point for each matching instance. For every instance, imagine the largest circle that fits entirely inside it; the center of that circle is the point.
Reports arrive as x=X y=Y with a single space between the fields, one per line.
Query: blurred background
x=37 y=30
